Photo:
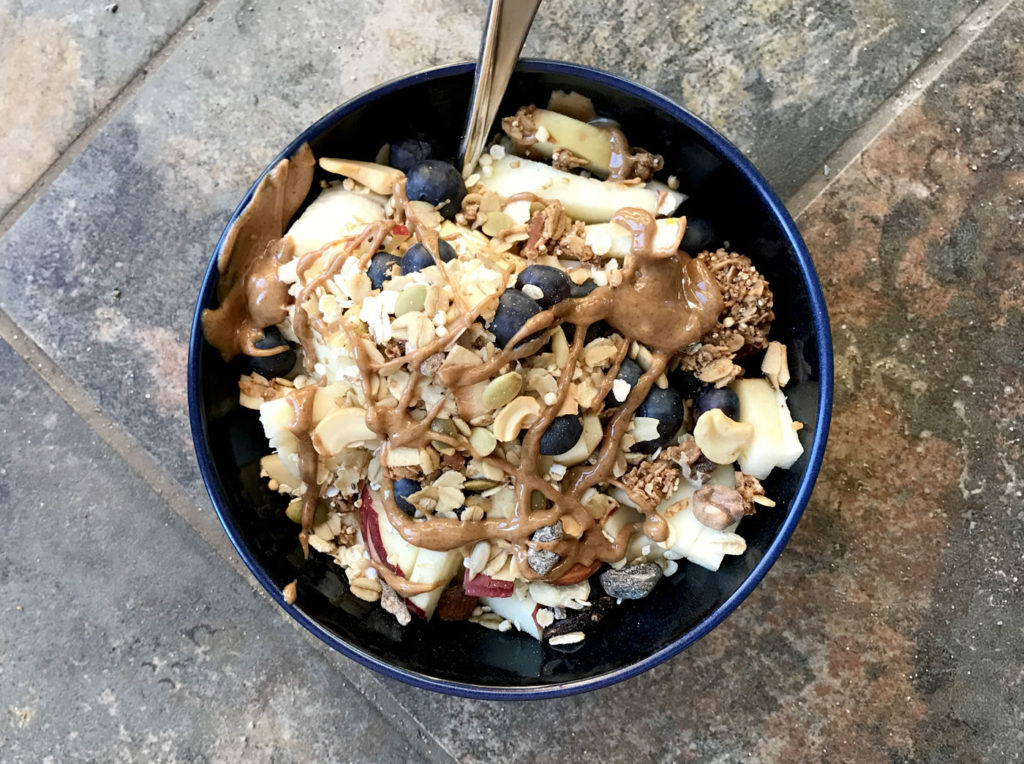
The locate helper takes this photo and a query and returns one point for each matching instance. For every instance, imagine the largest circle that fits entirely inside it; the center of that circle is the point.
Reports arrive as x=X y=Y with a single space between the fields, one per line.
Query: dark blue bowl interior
x=462 y=658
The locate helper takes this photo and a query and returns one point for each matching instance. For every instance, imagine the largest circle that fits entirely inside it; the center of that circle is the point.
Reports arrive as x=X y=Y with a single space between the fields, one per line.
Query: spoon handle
x=508 y=22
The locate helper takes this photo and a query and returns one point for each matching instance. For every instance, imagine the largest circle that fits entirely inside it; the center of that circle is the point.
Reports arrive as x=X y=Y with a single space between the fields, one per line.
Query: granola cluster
x=744 y=324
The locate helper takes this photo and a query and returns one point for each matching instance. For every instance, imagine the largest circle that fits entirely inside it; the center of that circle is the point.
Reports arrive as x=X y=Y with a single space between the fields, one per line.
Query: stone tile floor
x=890 y=629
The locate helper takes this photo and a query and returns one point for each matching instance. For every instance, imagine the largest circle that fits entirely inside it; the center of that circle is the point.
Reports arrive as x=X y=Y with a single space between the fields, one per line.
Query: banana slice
x=586 y=199
x=612 y=240
x=775 y=442
x=332 y=215
x=592 y=143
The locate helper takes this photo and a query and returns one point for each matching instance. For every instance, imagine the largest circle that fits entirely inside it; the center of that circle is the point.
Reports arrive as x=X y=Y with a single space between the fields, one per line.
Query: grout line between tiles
x=105 y=116
x=170 y=491
x=892 y=107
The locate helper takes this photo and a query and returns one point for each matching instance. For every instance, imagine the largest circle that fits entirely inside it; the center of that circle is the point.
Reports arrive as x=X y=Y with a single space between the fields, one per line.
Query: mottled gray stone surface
x=123 y=637
x=62 y=63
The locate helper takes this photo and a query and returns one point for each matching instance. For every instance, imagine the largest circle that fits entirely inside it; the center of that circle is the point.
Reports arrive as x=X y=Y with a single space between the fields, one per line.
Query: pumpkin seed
x=480 y=484
x=483 y=441
x=497 y=222
x=294 y=511
x=412 y=299
x=503 y=389
x=443 y=427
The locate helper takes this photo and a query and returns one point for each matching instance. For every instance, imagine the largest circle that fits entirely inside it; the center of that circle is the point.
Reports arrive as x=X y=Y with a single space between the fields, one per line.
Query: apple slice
x=436 y=568
x=587 y=199
x=382 y=540
x=613 y=240
x=519 y=609
x=483 y=585
x=775 y=442
x=379 y=178
x=332 y=215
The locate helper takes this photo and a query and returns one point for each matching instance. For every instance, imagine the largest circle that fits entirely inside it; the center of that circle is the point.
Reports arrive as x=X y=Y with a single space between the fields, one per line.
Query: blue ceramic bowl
x=460 y=658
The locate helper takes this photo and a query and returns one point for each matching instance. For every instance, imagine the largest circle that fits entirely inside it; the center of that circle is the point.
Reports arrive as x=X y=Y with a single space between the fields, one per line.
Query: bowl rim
x=730 y=153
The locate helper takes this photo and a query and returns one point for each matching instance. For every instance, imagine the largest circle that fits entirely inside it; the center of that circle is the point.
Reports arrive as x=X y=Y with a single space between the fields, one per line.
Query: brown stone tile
x=62 y=64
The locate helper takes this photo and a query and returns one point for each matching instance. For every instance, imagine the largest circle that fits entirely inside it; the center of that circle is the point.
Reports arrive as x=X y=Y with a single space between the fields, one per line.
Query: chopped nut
x=751 y=491
x=775 y=365
x=365 y=588
x=567 y=639
x=514 y=417
x=720 y=438
x=719 y=372
x=730 y=543
x=718 y=506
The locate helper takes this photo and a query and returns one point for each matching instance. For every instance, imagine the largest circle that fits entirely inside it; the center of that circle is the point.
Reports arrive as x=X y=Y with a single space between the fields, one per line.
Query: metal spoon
x=508 y=23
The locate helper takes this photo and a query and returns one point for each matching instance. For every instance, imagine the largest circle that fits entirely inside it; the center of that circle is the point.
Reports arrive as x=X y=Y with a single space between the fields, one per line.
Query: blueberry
x=576 y=291
x=561 y=435
x=409 y=152
x=514 y=309
x=716 y=398
x=418 y=257
x=272 y=365
x=553 y=283
x=404 y=488
x=595 y=330
x=697 y=237
x=685 y=383
x=667 y=407
x=380 y=269
x=435 y=182
x=630 y=372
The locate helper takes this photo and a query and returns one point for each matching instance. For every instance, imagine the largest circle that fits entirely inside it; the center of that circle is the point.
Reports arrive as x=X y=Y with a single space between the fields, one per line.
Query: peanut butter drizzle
x=623 y=159
x=301 y=427
x=250 y=294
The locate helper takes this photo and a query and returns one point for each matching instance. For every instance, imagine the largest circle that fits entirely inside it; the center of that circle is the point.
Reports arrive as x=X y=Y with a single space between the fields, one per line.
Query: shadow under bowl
x=462 y=659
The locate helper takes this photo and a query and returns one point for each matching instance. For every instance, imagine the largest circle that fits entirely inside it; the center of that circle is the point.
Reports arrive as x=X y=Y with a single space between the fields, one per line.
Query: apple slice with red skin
x=369 y=524
x=482 y=585
x=371 y=521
